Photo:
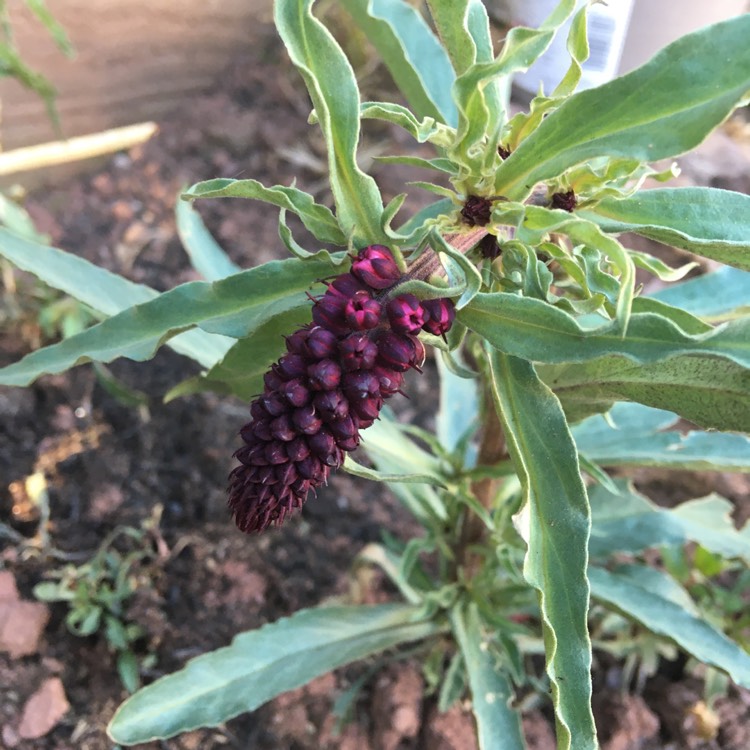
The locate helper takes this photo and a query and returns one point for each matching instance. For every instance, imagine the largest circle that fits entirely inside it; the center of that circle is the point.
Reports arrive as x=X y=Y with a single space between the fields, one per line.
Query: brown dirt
x=107 y=464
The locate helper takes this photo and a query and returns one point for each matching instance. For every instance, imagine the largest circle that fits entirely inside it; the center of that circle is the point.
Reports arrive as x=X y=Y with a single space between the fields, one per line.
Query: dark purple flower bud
x=322 y=444
x=361 y=384
x=331 y=405
x=296 y=392
x=286 y=474
x=567 y=201
x=300 y=488
x=260 y=430
x=358 y=352
x=274 y=404
x=321 y=343
x=367 y=409
x=329 y=313
x=376 y=267
x=297 y=449
x=477 y=211
x=346 y=433
x=398 y=351
x=442 y=313
x=267 y=475
x=295 y=343
x=344 y=286
x=489 y=247
x=283 y=429
x=272 y=381
x=252 y=455
x=390 y=380
x=275 y=453
x=362 y=312
x=257 y=410
x=291 y=366
x=313 y=469
x=324 y=375
x=406 y=314
x=306 y=420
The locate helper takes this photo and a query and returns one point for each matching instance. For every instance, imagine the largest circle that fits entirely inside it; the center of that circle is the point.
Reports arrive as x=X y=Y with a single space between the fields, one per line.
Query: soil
x=163 y=467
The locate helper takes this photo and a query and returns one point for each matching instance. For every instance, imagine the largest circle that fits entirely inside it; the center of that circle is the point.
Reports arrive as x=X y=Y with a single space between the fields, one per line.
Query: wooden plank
x=136 y=59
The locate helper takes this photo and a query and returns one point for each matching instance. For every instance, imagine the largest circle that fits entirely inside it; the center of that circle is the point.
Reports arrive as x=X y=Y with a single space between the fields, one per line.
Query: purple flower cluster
x=330 y=384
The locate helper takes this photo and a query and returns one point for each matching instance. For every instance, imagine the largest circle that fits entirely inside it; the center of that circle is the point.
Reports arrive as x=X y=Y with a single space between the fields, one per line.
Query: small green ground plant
x=98 y=591
x=553 y=366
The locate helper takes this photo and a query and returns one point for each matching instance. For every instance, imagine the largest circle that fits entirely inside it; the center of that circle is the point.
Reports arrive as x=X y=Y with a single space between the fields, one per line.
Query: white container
x=656 y=23
x=607 y=27
x=622 y=35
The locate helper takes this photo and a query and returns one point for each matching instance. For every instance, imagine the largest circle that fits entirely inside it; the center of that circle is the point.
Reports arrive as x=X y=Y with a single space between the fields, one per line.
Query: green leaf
x=318 y=220
x=333 y=89
x=358 y=470
x=535 y=330
x=206 y=256
x=129 y=671
x=18 y=221
x=711 y=392
x=102 y=290
x=427 y=130
x=477 y=90
x=712 y=295
x=411 y=52
x=662 y=109
x=636 y=435
x=629 y=522
x=707 y=221
x=261 y=664
x=393 y=452
x=547 y=463
x=241 y=371
x=498 y=725
x=55 y=30
x=540 y=222
x=459 y=407
x=234 y=306
x=665 y=617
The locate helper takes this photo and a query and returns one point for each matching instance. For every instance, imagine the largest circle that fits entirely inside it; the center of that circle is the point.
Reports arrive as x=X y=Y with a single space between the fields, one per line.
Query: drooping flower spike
x=330 y=384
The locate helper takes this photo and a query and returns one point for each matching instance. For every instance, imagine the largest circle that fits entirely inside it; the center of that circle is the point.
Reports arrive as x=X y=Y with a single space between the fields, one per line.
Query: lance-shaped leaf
x=234 y=306
x=260 y=665
x=637 y=435
x=427 y=130
x=333 y=89
x=318 y=219
x=206 y=256
x=459 y=407
x=547 y=462
x=412 y=53
x=359 y=470
x=241 y=371
x=535 y=330
x=662 y=109
x=480 y=89
x=498 y=725
x=707 y=221
x=711 y=392
x=713 y=295
x=393 y=452
x=102 y=290
x=634 y=595
x=629 y=522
